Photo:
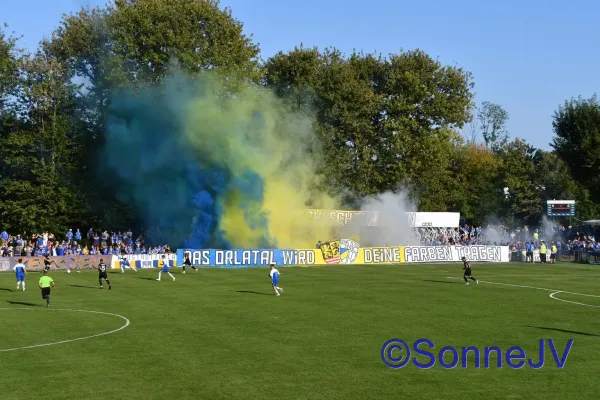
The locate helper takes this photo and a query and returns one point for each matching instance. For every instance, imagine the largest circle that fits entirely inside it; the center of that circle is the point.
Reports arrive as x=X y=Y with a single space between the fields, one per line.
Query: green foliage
x=577 y=128
x=9 y=68
x=380 y=123
x=492 y=121
x=518 y=175
x=385 y=122
x=476 y=172
x=39 y=156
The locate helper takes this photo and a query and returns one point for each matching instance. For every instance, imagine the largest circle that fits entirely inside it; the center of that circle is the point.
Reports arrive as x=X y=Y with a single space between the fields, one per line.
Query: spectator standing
x=543 y=250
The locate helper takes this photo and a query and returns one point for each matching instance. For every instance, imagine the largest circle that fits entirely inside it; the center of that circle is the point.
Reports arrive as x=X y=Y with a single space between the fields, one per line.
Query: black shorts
x=530 y=254
x=467 y=272
x=45 y=292
x=553 y=256
x=102 y=275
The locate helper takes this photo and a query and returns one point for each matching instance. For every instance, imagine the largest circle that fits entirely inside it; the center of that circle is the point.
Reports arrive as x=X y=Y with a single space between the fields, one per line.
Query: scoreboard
x=561 y=208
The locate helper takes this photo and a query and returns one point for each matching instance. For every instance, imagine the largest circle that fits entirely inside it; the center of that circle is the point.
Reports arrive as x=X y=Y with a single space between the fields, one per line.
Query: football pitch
x=222 y=334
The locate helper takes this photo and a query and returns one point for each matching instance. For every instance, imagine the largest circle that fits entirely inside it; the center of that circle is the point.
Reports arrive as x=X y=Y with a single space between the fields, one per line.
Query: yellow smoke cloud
x=253 y=130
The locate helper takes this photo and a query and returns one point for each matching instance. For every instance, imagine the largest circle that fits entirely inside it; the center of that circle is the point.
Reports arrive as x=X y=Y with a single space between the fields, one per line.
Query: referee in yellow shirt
x=45 y=284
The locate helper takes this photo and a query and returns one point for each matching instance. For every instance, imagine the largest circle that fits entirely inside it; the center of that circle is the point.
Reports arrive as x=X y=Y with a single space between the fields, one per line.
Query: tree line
x=403 y=121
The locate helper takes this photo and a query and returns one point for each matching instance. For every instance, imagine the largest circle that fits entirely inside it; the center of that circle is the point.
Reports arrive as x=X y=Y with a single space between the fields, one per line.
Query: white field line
x=127 y=322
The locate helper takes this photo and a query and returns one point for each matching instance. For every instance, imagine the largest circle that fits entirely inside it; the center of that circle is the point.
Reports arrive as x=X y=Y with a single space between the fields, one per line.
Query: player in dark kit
x=47 y=263
x=188 y=263
x=467 y=274
x=102 y=274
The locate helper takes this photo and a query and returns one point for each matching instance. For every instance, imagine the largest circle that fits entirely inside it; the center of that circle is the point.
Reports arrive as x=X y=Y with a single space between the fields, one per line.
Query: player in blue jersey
x=274 y=274
x=164 y=267
x=125 y=263
x=20 y=272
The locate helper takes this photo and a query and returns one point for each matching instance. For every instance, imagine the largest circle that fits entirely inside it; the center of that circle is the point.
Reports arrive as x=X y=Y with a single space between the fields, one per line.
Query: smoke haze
x=218 y=170
x=393 y=223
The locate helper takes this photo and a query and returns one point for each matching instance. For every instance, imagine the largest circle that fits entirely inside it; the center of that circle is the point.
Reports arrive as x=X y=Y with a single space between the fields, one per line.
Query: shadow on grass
x=452 y=283
x=5 y=289
x=563 y=330
x=84 y=287
x=251 y=292
x=23 y=303
x=146 y=279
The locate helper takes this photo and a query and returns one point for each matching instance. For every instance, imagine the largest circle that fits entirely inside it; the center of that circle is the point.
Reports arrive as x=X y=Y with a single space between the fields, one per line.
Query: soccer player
x=45 y=284
x=47 y=263
x=188 y=263
x=20 y=273
x=467 y=274
x=274 y=274
x=164 y=267
x=102 y=274
x=125 y=263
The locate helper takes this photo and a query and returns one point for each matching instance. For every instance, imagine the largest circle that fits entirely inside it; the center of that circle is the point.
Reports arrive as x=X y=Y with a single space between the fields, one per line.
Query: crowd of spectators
x=75 y=243
x=566 y=239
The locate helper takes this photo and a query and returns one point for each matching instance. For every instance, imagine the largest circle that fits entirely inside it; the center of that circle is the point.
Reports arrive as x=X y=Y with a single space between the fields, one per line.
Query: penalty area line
x=530 y=287
x=127 y=322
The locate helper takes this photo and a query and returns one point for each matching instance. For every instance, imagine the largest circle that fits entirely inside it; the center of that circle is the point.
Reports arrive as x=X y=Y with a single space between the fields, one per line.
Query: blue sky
x=528 y=56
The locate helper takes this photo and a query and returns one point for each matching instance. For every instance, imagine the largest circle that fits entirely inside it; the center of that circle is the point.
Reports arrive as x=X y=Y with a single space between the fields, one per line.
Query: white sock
x=18 y=284
x=171 y=275
x=159 y=274
x=23 y=285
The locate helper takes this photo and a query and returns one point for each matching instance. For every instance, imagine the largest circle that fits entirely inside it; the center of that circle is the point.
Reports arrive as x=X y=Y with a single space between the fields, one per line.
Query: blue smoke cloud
x=173 y=183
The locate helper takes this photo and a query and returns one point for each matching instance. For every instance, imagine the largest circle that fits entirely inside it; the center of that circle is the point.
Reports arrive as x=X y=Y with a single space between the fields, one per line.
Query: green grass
x=221 y=334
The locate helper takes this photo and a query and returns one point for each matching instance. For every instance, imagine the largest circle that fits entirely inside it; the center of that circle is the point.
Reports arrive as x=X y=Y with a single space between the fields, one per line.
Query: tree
x=9 y=69
x=524 y=202
x=383 y=121
x=577 y=140
x=492 y=119
x=476 y=171
x=472 y=131
x=134 y=44
x=39 y=156
x=554 y=176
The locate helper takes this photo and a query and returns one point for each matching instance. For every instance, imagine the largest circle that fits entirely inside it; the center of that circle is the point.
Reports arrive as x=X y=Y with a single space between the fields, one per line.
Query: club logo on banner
x=344 y=251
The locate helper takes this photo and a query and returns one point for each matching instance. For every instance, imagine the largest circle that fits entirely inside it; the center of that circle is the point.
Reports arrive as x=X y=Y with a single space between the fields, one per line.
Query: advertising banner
x=142 y=261
x=86 y=262
x=57 y=263
x=432 y=254
x=338 y=217
x=372 y=218
x=344 y=251
x=433 y=219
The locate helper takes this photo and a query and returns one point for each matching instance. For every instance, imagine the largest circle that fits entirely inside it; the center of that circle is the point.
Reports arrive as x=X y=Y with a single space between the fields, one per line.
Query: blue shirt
x=19 y=269
x=77 y=236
